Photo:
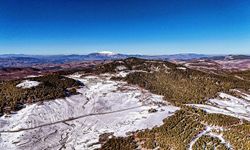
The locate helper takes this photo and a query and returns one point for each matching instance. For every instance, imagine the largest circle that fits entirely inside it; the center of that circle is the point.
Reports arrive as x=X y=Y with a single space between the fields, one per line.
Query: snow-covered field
x=228 y=105
x=76 y=122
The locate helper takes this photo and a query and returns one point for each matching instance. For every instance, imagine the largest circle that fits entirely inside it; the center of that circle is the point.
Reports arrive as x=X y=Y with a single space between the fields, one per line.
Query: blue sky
x=125 y=26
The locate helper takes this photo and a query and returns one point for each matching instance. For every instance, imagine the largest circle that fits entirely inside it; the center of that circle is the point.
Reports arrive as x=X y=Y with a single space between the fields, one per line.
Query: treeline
x=13 y=98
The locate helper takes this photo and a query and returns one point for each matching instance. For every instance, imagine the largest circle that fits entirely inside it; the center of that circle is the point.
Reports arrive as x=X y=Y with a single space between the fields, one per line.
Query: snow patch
x=120 y=68
x=33 y=76
x=181 y=68
x=228 y=105
x=126 y=72
x=27 y=84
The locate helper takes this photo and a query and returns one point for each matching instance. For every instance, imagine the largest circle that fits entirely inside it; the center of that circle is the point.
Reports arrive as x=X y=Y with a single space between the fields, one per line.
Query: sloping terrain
x=228 y=105
x=176 y=83
x=137 y=104
x=188 y=128
x=14 y=94
x=101 y=107
x=214 y=65
x=14 y=73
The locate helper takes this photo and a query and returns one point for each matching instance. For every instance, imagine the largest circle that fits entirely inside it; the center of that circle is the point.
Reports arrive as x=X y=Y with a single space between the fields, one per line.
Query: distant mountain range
x=21 y=60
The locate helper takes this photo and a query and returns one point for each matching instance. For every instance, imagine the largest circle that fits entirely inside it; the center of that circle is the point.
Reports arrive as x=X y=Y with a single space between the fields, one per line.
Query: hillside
x=191 y=126
x=128 y=104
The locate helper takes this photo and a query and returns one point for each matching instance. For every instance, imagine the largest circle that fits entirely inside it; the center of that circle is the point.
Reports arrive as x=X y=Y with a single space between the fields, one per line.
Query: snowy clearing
x=228 y=105
x=76 y=122
x=27 y=84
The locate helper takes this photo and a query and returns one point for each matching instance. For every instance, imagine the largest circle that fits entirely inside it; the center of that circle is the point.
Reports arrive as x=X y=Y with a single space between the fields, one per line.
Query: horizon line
x=65 y=54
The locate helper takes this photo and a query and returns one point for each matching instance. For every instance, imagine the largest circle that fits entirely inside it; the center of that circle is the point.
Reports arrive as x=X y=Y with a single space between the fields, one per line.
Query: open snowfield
x=76 y=122
x=228 y=105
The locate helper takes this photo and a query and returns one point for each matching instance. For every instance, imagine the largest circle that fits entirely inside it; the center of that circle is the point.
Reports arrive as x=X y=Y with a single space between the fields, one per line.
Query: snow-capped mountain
x=108 y=53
